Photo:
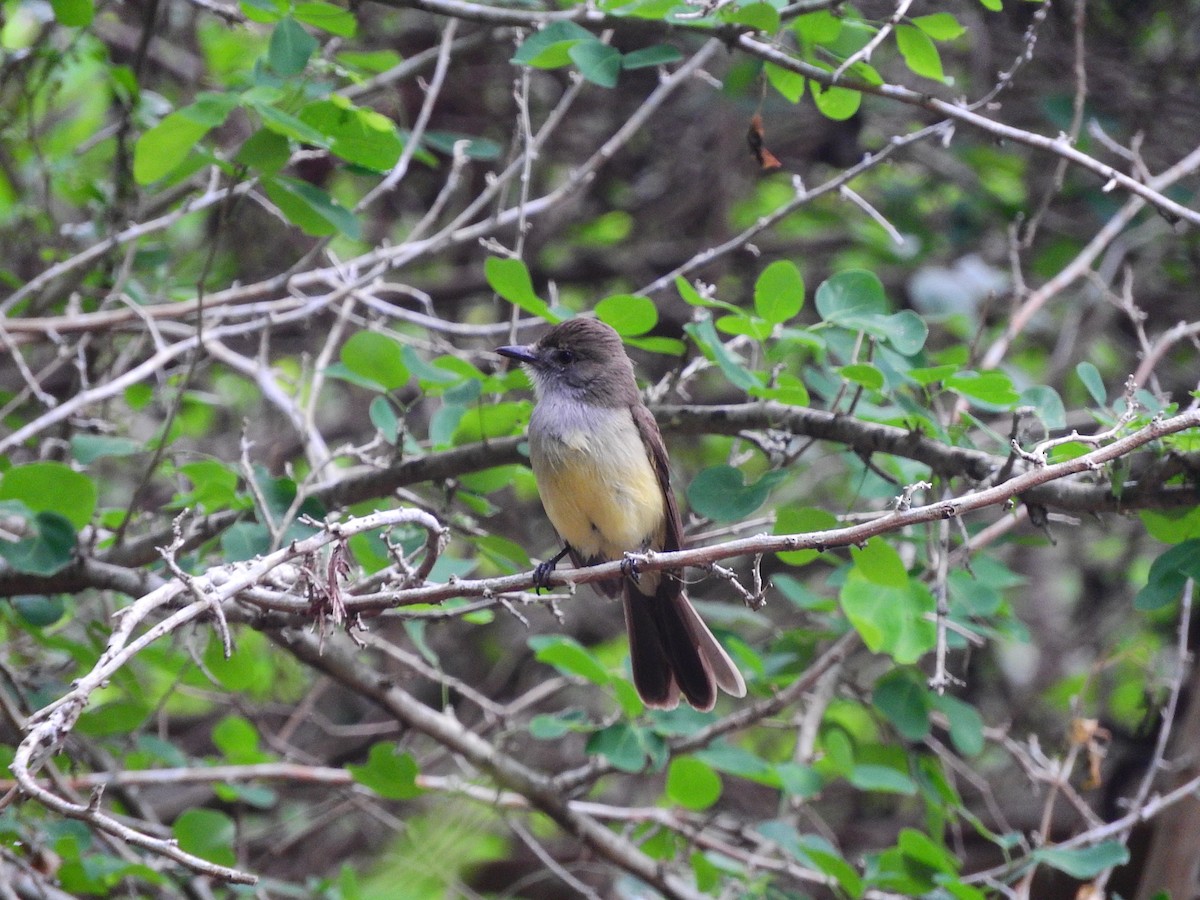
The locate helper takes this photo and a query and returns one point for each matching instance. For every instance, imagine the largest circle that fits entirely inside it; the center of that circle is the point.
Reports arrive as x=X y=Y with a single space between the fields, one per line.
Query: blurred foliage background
x=255 y=260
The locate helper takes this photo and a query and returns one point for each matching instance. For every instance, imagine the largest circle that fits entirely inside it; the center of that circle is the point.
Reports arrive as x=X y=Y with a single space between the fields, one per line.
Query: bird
x=604 y=479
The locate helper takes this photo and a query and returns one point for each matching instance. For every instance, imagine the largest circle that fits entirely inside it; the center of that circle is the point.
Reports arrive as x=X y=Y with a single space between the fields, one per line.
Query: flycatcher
x=604 y=478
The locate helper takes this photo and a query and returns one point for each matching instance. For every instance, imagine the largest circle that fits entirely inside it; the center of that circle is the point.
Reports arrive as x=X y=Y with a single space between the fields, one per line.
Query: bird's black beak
x=520 y=353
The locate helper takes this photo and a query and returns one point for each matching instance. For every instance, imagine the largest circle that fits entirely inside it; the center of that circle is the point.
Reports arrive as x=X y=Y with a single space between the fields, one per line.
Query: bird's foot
x=541 y=573
x=629 y=568
x=541 y=576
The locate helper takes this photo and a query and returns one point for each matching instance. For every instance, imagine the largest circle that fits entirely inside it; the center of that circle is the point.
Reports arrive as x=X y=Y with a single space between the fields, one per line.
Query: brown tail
x=673 y=651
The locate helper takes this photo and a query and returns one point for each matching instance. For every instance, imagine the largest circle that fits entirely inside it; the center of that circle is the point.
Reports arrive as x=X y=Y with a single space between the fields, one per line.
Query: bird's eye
x=563 y=356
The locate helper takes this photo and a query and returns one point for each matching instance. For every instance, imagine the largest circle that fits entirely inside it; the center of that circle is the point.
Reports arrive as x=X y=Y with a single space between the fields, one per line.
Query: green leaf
x=836 y=103
x=927 y=375
x=906 y=332
x=506 y=554
x=264 y=11
x=802 y=520
x=814 y=852
x=760 y=16
x=208 y=834
x=919 y=846
x=214 y=485
x=360 y=136
x=789 y=84
x=73 y=13
x=1168 y=573
x=779 y=292
x=51 y=487
x=311 y=209
x=848 y=296
x=966 y=725
x=657 y=55
x=551 y=727
x=750 y=326
x=249 y=670
x=47 y=545
x=1083 y=862
x=430 y=375
x=705 y=336
x=39 y=610
x=879 y=563
x=87 y=448
x=991 y=389
x=1171 y=526
x=510 y=279
x=238 y=740
x=290 y=47
x=664 y=345
x=376 y=357
x=327 y=17
x=905 y=701
x=388 y=772
x=993 y=5
x=864 y=374
x=734 y=760
x=481 y=422
x=627 y=747
x=570 y=657
x=890 y=620
x=692 y=783
x=721 y=494
x=919 y=52
x=693 y=297
x=788 y=389
x=164 y=147
x=941 y=26
x=628 y=314
x=598 y=62
x=374 y=61
x=820 y=27
x=1090 y=376
x=606 y=229
x=798 y=780
x=1047 y=404
x=881 y=779
x=264 y=151
x=383 y=416
x=284 y=123
x=550 y=47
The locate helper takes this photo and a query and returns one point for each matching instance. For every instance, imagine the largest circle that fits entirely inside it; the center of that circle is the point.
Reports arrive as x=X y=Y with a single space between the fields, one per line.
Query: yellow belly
x=601 y=503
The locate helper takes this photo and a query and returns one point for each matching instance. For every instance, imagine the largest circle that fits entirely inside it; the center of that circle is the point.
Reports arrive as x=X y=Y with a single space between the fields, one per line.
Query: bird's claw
x=629 y=568
x=541 y=575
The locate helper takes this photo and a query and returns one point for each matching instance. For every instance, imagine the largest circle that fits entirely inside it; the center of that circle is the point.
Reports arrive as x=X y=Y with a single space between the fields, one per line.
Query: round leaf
x=208 y=834
x=51 y=487
x=848 y=295
x=376 y=357
x=779 y=292
x=627 y=314
x=907 y=332
x=905 y=701
x=692 y=784
x=720 y=493
x=879 y=563
x=890 y=620
x=39 y=610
